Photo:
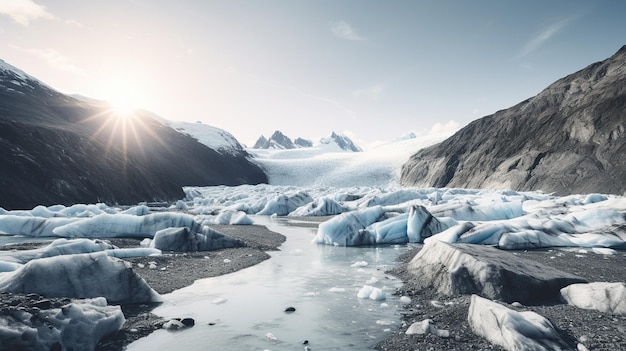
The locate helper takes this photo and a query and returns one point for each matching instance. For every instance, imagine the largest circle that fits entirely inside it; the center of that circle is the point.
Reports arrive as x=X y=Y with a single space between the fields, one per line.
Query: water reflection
x=245 y=310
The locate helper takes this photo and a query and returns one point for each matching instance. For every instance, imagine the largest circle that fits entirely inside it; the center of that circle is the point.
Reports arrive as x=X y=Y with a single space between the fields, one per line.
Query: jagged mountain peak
x=342 y=141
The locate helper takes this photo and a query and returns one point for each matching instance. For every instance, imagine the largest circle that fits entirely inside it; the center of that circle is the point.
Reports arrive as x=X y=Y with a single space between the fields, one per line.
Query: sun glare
x=123 y=96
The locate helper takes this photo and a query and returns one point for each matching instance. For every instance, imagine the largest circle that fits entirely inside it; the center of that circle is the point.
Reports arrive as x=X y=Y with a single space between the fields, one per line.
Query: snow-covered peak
x=213 y=137
x=15 y=76
x=342 y=141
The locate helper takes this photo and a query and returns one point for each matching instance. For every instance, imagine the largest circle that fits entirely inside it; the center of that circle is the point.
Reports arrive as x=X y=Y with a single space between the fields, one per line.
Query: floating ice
x=372 y=293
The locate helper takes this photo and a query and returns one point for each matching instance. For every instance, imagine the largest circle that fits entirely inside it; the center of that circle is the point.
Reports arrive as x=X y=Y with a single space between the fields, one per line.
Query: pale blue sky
x=373 y=69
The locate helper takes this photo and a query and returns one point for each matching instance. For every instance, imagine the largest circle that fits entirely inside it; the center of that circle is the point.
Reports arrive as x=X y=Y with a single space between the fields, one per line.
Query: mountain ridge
x=61 y=150
x=567 y=139
x=280 y=141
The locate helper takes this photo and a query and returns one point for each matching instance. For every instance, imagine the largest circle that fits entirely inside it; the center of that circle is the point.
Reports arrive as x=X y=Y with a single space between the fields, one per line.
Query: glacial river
x=245 y=310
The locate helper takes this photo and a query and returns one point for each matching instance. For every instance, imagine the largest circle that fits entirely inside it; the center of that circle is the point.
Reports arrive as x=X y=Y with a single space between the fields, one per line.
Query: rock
x=600 y=296
x=569 y=139
x=424 y=327
x=511 y=329
x=290 y=309
x=476 y=269
x=173 y=324
x=427 y=326
x=188 y=322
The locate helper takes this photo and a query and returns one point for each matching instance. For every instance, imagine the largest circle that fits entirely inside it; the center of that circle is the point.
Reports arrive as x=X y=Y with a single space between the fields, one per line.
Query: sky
x=372 y=70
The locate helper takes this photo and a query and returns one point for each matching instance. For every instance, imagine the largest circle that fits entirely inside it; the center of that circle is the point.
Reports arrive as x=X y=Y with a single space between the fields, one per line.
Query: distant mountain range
x=570 y=138
x=280 y=141
x=59 y=149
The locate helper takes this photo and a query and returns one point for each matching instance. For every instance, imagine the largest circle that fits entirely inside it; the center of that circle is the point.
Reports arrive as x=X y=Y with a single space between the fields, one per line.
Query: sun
x=123 y=96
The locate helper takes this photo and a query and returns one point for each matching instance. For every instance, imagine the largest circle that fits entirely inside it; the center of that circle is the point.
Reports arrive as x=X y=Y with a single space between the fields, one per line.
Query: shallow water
x=245 y=310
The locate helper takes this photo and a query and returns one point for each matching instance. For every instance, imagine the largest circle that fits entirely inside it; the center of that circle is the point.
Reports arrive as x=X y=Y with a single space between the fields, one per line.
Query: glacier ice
x=78 y=325
x=511 y=329
x=80 y=276
x=601 y=296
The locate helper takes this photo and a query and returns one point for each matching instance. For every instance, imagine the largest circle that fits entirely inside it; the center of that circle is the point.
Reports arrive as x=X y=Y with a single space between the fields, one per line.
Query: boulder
x=511 y=329
x=489 y=272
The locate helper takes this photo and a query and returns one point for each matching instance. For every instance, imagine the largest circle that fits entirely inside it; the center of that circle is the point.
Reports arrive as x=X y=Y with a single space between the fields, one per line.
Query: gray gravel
x=595 y=330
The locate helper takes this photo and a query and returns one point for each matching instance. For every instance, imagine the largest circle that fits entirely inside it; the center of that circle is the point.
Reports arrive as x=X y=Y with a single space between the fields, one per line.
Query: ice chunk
x=476 y=269
x=80 y=276
x=283 y=204
x=124 y=225
x=323 y=206
x=76 y=326
x=183 y=239
x=601 y=296
x=232 y=217
x=372 y=293
x=511 y=329
x=347 y=229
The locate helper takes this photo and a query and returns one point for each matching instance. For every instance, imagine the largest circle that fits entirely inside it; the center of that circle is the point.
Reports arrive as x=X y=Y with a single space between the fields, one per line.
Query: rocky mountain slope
x=567 y=139
x=57 y=149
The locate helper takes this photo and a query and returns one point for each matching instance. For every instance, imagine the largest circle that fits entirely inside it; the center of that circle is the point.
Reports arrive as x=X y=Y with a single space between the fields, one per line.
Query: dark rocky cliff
x=567 y=139
x=56 y=149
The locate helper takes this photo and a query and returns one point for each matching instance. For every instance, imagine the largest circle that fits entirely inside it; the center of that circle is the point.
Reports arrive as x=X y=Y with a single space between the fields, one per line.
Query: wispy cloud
x=344 y=30
x=538 y=40
x=444 y=129
x=53 y=58
x=73 y=23
x=373 y=93
x=24 y=11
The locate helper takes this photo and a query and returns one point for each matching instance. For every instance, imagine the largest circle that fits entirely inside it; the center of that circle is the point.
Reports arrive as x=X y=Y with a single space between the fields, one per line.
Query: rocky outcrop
x=303 y=142
x=567 y=139
x=58 y=149
x=453 y=269
x=278 y=140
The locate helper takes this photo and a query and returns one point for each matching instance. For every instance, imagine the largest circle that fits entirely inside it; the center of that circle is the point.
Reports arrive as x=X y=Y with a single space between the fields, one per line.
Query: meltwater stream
x=245 y=310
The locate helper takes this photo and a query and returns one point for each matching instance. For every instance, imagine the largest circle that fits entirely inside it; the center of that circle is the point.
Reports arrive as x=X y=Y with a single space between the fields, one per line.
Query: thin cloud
x=73 y=23
x=344 y=30
x=53 y=58
x=444 y=129
x=538 y=40
x=24 y=11
x=373 y=93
